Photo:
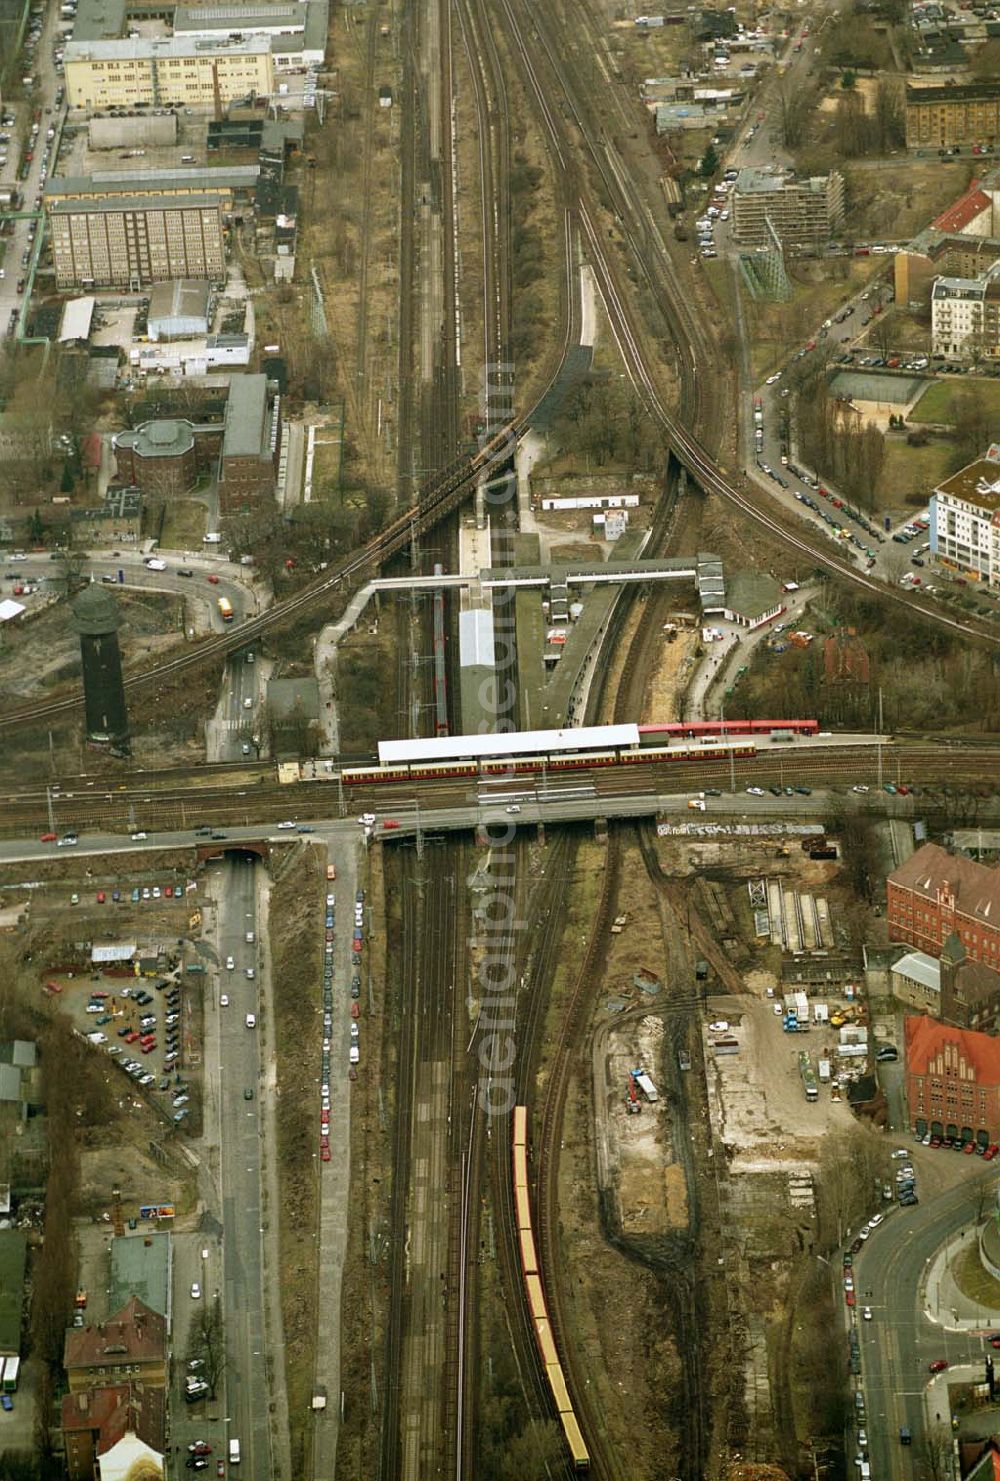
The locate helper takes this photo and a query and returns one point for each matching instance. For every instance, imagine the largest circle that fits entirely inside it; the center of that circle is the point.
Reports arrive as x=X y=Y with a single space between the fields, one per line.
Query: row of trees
x=859 y=132
x=527 y=260
x=833 y=437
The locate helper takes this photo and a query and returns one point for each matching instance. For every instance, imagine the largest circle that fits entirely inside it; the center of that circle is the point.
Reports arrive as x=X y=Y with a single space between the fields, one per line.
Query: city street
x=19 y=242
x=231 y=1067
x=901 y=1340
x=231 y=581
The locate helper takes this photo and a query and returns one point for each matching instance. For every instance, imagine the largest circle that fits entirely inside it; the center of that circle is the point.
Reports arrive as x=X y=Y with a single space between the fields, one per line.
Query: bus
x=225 y=609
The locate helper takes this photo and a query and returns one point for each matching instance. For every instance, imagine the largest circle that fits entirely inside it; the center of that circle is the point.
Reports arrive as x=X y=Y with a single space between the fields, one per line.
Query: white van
x=355 y=1055
x=234 y=1452
x=211 y=539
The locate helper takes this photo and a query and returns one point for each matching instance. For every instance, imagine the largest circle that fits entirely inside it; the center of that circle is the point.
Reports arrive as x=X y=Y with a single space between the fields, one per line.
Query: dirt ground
x=651 y=1188
x=671 y=674
x=760 y=1106
x=44 y=651
x=296 y=944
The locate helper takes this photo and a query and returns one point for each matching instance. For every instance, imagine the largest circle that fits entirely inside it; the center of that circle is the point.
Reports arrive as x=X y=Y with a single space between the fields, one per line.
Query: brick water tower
x=96 y=618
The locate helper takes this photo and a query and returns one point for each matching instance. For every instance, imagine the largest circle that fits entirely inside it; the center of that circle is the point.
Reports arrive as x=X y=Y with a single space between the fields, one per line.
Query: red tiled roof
x=91 y=1408
x=968 y=206
x=116 y=1411
x=925 y=1037
x=976 y=887
x=134 y=1334
x=91 y=450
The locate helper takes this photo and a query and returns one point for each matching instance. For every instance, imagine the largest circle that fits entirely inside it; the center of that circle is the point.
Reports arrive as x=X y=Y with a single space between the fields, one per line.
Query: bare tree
x=207 y=1343
x=851 y=1167
x=934 y=1450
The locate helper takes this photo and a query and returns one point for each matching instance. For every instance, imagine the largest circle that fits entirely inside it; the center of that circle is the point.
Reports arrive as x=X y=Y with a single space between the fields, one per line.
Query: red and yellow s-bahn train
x=545 y=752
x=694 y=729
x=536 y=1297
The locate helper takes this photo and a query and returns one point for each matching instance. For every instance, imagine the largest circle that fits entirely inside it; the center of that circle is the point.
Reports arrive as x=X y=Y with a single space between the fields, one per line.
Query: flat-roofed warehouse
x=179 y=310
x=230 y=183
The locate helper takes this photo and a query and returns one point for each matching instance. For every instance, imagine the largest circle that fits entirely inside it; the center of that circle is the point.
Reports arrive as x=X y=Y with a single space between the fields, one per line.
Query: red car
x=213 y=579
x=390 y=823
x=48 y=838
x=938 y=1365
x=324 y=1153
x=991 y=1152
x=101 y=897
x=969 y=1148
x=169 y=892
x=995 y=1341
x=849 y=1297
x=355 y=1010
x=324 y=1117
x=148 y=1048
x=99 y=994
x=132 y=1038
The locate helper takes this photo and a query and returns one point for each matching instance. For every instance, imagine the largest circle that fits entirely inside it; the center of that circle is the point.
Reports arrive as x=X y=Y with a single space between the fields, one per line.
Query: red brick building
x=936 y=893
x=952 y=1080
x=251 y=441
x=96 y=1420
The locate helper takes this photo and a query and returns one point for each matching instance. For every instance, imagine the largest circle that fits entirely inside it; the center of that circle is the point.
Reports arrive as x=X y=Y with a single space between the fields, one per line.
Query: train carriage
x=557 y=1383
x=428 y=770
x=546 y=1341
x=523 y=1207
x=520 y=1136
x=520 y=1167
x=574 y=1439
x=529 y=1260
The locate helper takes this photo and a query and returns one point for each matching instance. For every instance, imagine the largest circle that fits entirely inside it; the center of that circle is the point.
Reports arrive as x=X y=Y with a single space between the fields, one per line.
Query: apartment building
x=965 y=518
x=953 y=113
x=130 y=1347
x=131 y=242
x=965 y=316
x=182 y=71
x=802 y=212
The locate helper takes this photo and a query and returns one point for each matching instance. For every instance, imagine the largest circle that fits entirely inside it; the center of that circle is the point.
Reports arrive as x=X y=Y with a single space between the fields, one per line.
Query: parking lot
x=150 y=1027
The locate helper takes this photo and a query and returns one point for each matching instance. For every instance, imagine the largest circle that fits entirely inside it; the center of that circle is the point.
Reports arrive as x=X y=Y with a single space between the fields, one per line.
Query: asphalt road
x=43 y=97
x=243 y=719
x=899 y=1343
x=196 y=587
x=238 y=1070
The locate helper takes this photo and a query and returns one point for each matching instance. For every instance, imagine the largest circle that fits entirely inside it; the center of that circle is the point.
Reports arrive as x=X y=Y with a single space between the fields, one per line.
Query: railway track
x=604 y=1463
x=270 y=802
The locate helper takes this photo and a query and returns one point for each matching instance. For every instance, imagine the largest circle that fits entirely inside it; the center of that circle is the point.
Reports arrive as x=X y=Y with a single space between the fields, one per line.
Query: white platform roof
x=9 y=610
x=513 y=743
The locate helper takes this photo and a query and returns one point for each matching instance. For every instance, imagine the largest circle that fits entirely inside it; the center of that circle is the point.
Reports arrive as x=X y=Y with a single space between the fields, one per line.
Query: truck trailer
x=808 y=1077
x=645 y=1084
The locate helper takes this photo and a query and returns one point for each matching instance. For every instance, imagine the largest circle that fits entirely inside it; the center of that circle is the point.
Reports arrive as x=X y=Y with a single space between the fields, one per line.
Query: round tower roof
x=95 y=612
